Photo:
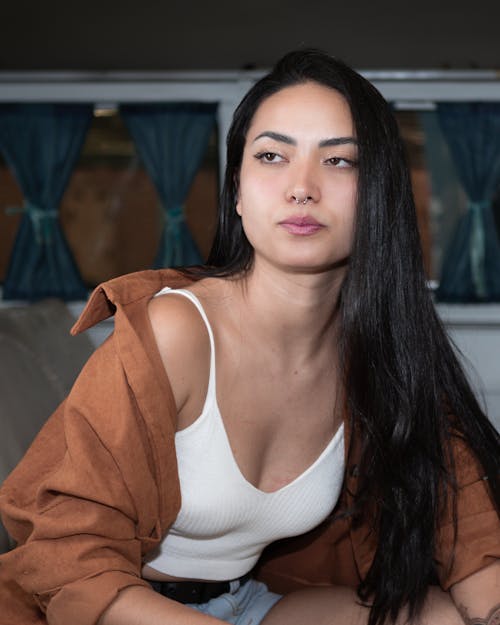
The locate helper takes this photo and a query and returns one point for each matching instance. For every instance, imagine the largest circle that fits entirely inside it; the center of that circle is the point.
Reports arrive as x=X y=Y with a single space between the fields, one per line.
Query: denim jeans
x=245 y=605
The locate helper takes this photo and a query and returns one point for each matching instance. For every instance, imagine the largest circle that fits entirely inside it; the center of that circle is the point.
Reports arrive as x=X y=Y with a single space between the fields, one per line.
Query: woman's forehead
x=306 y=109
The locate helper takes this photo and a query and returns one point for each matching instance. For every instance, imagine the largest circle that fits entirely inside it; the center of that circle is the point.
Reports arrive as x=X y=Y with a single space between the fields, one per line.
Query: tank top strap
x=192 y=297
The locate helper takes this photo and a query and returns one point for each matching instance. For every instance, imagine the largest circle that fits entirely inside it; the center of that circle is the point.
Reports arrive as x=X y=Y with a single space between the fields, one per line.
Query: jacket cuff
x=83 y=602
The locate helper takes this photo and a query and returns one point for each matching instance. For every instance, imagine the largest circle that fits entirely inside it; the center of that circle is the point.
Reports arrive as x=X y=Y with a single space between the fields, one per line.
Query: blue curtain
x=171 y=140
x=471 y=267
x=41 y=143
x=448 y=197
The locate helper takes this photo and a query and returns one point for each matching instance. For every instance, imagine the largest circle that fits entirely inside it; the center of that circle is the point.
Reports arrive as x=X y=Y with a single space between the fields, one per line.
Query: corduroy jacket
x=99 y=488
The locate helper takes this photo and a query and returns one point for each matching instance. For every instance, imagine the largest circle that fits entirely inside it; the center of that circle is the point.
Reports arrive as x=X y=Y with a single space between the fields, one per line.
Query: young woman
x=300 y=385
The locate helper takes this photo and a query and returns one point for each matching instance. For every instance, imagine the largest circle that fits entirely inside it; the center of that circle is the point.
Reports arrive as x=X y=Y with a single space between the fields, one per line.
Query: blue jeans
x=245 y=605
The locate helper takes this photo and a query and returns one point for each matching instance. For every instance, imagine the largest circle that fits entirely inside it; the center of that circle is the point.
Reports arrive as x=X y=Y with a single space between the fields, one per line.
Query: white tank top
x=225 y=522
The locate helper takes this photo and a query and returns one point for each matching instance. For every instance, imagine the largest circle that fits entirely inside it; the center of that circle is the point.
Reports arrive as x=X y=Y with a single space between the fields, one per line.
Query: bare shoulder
x=183 y=343
x=174 y=318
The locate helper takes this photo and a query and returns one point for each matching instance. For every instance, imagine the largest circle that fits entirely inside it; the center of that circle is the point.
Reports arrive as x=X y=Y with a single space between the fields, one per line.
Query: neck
x=294 y=312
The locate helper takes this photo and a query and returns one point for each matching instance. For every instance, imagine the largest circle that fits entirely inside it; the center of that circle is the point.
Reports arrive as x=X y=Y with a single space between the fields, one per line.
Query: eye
x=269 y=157
x=341 y=163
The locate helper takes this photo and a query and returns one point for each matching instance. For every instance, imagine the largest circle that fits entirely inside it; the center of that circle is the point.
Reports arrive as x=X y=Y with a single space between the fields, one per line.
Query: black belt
x=195 y=592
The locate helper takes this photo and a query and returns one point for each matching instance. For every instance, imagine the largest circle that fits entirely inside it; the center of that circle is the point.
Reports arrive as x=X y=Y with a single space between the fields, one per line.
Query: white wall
x=475 y=329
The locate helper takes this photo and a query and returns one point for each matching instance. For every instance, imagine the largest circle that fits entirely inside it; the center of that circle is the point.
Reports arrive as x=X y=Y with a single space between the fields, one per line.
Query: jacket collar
x=125 y=290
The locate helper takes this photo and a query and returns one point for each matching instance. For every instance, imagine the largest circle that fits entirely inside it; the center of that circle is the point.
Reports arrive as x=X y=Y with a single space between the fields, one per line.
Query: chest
x=214 y=487
x=277 y=421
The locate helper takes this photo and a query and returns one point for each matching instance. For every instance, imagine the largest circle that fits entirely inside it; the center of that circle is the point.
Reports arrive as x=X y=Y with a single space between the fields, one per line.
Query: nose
x=298 y=199
x=303 y=186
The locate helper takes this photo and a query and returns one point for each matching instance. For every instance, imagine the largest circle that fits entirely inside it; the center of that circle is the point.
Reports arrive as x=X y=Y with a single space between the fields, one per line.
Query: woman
x=215 y=420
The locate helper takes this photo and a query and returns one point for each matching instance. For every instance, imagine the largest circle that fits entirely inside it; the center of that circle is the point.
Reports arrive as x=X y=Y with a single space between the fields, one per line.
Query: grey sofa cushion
x=39 y=362
x=44 y=328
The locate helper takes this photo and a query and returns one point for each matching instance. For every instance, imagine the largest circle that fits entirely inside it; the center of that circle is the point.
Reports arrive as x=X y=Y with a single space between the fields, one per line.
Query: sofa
x=39 y=361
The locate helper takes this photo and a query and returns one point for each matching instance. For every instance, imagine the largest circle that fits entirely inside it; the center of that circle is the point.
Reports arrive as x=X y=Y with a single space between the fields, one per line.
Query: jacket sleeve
x=476 y=543
x=83 y=504
x=340 y=554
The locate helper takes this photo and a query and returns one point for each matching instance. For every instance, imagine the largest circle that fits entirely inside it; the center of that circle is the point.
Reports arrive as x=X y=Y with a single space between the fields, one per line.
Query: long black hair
x=408 y=398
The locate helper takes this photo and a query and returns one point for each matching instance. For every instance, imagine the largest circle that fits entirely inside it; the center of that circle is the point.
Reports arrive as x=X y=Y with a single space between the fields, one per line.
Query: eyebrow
x=337 y=141
x=325 y=143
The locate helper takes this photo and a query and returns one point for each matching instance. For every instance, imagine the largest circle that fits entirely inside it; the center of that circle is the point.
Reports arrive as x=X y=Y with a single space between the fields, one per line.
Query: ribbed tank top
x=225 y=522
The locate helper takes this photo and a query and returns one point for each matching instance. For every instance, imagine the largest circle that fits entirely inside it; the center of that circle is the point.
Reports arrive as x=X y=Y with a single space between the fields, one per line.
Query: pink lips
x=301 y=225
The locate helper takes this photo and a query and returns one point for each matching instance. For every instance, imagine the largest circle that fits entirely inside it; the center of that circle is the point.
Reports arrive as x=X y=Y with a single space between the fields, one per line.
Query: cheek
x=350 y=218
x=254 y=214
x=350 y=228
x=347 y=209
x=249 y=198
x=257 y=185
x=345 y=190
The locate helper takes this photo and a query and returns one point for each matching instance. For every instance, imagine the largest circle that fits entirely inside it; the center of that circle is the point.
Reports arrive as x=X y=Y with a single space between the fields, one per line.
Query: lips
x=301 y=225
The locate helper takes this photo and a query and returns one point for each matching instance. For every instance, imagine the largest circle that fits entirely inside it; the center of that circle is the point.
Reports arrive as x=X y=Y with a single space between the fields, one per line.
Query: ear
x=237 y=195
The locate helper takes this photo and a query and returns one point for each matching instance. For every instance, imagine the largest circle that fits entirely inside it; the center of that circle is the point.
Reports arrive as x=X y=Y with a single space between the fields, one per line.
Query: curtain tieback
x=173 y=219
x=477 y=246
x=41 y=219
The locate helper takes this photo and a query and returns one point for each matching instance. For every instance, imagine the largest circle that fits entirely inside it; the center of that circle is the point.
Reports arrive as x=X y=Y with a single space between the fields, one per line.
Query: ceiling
x=163 y=35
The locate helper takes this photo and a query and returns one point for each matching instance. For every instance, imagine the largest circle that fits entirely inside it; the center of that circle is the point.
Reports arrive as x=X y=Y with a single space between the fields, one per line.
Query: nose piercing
x=304 y=201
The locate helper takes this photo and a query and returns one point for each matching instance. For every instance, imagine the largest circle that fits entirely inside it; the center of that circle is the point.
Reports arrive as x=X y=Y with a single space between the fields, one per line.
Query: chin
x=315 y=265
x=317 y=268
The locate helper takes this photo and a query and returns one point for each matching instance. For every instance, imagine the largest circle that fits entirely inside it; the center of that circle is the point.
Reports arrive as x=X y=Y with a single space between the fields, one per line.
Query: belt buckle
x=212 y=590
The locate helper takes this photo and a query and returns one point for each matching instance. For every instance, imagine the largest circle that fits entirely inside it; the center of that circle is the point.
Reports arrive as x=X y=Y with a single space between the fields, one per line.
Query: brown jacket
x=99 y=488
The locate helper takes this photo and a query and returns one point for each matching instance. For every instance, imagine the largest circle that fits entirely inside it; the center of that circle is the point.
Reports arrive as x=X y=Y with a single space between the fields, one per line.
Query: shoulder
x=183 y=343
x=176 y=323
x=124 y=292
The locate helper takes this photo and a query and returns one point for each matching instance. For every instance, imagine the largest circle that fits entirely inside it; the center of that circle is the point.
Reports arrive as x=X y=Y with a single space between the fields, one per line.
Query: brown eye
x=269 y=157
x=341 y=163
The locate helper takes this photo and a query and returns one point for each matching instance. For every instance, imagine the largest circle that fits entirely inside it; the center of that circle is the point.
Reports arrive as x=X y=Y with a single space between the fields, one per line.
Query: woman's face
x=298 y=180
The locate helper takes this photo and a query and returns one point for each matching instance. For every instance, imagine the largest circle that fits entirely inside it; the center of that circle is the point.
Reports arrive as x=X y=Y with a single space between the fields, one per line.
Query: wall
x=94 y=35
x=476 y=332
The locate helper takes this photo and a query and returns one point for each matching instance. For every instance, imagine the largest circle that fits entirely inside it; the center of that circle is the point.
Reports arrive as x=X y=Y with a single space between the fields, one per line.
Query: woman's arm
x=84 y=504
x=478 y=596
x=137 y=605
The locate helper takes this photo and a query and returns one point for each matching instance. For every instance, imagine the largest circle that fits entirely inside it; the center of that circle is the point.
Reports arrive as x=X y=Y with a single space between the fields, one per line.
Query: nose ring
x=304 y=201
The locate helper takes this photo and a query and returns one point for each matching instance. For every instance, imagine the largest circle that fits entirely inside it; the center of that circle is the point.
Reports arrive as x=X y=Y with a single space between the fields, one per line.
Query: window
x=439 y=195
x=110 y=211
x=10 y=197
